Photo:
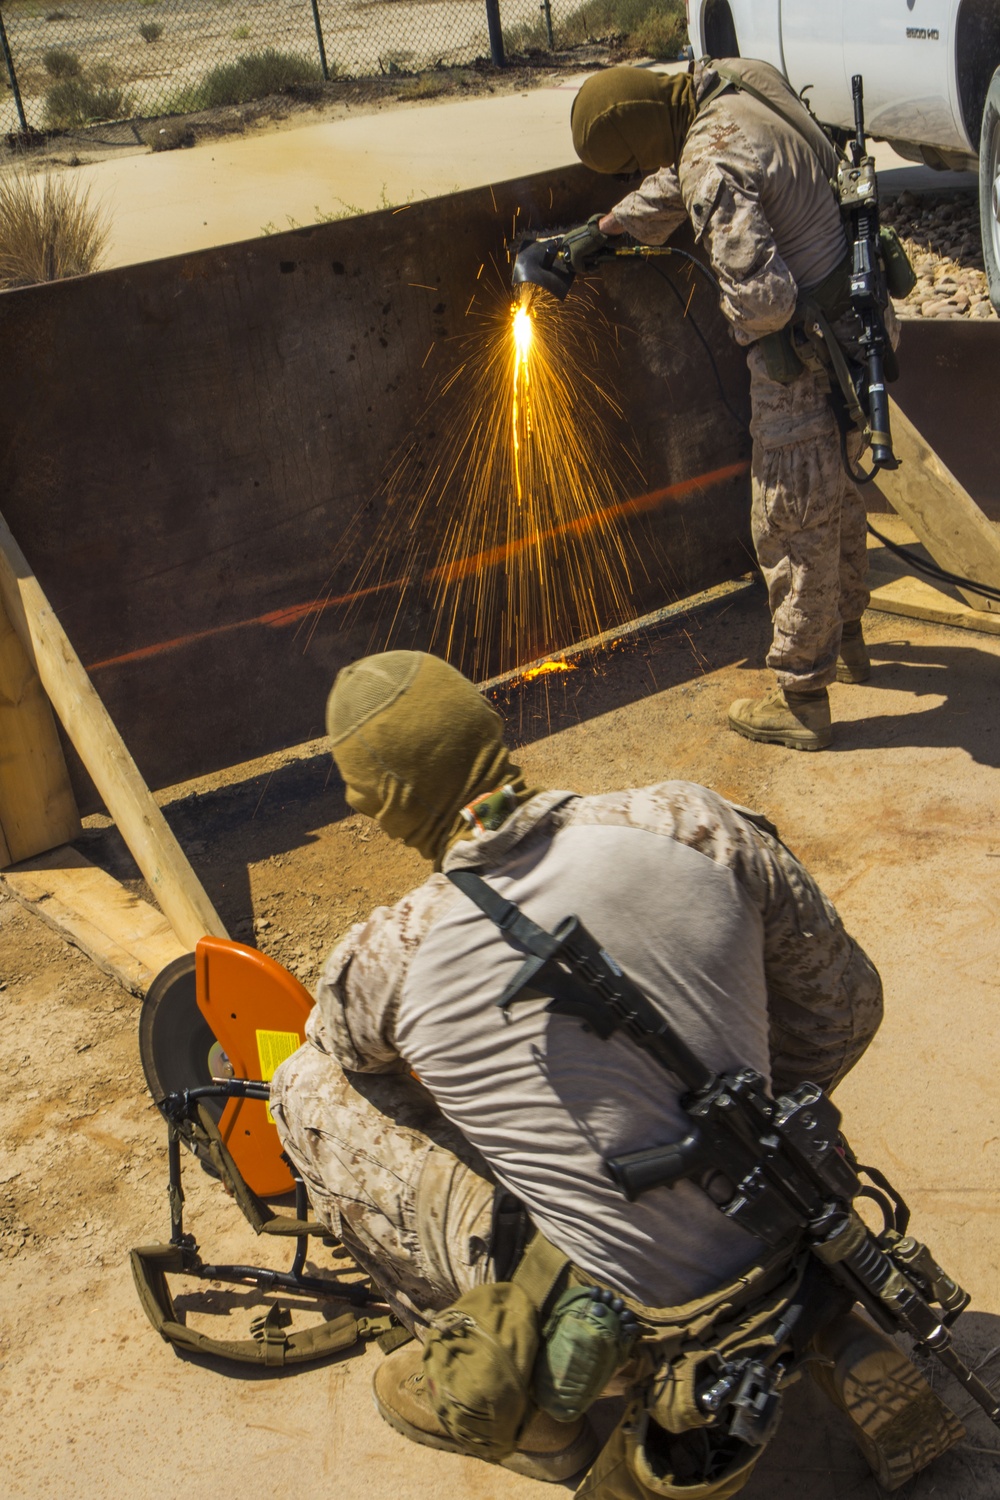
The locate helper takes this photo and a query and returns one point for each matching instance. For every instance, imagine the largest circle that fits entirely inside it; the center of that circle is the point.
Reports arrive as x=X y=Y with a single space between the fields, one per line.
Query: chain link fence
x=65 y=64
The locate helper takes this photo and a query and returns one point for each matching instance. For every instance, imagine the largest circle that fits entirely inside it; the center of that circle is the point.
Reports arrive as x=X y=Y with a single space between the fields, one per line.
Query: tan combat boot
x=899 y=1423
x=853 y=663
x=800 y=721
x=546 y=1449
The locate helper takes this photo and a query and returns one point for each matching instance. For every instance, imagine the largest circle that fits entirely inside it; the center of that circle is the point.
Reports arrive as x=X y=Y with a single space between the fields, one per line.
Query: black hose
x=940 y=575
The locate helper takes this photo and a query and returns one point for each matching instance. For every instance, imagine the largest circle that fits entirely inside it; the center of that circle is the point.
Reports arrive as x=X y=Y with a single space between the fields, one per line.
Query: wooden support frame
x=86 y=721
x=941 y=514
x=123 y=935
x=37 y=807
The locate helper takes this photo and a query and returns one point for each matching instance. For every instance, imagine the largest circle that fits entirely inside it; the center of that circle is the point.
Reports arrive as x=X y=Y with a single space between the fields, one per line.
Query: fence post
x=319 y=39
x=546 y=9
x=495 y=31
x=5 y=46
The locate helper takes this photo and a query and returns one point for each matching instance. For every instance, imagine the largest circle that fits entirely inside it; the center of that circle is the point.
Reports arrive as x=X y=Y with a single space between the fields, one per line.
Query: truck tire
x=989 y=187
x=720 y=31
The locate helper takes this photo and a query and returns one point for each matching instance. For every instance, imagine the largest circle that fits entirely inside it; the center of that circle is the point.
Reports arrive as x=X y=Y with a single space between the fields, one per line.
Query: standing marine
x=731 y=148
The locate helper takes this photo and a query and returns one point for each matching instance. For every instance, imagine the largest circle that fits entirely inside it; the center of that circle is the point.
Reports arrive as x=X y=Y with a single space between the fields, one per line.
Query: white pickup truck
x=931 y=72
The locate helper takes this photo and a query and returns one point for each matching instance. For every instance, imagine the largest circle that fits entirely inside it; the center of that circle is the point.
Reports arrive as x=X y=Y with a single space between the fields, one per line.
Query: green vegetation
x=241 y=33
x=426 y=86
x=73 y=102
x=653 y=28
x=150 y=31
x=252 y=76
x=60 y=62
x=48 y=229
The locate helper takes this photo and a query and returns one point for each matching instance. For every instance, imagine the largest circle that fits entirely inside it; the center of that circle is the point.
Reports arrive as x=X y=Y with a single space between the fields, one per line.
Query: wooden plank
x=898 y=592
x=37 y=807
x=86 y=721
x=922 y=601
x=124 y=936
x=942 y=514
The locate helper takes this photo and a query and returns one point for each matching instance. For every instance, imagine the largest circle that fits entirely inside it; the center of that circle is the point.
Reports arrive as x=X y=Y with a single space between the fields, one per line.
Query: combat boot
x=853 y=664
x=546 y=1449
x=899 y=1423
x=800 y=721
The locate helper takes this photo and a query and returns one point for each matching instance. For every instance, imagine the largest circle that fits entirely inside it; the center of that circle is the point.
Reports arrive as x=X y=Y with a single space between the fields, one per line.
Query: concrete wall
x=186 y=448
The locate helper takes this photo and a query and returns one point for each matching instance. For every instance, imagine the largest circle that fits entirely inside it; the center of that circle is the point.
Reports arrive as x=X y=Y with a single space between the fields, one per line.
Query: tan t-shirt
x=708 y=913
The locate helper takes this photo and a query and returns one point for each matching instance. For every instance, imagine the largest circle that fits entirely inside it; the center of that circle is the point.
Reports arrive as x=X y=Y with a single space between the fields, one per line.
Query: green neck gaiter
x=415 y=742
x=631 y=120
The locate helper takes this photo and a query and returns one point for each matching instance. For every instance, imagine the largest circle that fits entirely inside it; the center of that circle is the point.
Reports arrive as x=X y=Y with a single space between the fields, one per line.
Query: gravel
x=942 y=238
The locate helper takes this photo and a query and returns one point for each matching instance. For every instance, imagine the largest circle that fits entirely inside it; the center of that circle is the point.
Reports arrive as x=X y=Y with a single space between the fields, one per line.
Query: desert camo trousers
x=389 y=1177
x=808 y=523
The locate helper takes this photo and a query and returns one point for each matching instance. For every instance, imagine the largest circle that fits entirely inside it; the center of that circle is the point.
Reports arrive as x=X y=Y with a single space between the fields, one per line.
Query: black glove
x=580 y=246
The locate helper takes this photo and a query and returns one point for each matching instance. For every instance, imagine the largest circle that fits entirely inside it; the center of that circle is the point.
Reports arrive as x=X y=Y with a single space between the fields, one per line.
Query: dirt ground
x=898 y=821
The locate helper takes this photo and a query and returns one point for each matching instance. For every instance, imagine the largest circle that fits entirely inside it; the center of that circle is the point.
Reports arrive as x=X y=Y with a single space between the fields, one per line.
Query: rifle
x=778 y=1167
x=857 y=189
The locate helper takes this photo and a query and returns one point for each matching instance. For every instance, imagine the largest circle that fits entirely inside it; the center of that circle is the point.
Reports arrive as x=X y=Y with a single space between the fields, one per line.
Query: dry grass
x=48 y=229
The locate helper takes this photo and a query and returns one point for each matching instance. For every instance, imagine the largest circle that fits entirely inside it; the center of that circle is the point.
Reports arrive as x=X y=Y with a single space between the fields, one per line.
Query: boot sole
x=547 y=1467
x=846 y=674
x=784 y=737
x=897 y=1420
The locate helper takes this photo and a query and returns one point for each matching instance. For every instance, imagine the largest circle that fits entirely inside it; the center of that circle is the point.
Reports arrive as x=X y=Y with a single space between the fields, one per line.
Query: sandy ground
x=899 y=823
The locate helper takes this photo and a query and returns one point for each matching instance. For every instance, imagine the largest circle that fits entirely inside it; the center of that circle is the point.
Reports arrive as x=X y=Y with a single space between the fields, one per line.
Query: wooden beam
x=896 y=591
x=37 y=806
x=942 y=514
x=920 y=600
x=124 y=936
x=86 y=721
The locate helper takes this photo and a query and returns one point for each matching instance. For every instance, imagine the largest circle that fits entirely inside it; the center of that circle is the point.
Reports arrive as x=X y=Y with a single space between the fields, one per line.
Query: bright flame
x=521 y=328
x=522 y=331
x=545 y=667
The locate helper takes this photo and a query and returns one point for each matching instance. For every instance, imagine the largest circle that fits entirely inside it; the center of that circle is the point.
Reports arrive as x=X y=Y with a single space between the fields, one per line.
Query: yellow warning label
x=272 y=1049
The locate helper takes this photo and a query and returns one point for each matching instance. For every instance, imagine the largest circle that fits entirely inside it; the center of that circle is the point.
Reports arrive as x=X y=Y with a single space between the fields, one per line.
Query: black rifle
x=857 y=188
x=777 y=1167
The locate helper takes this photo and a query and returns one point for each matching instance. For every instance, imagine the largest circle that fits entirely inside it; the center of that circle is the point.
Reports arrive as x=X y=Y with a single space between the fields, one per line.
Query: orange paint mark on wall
x=279 y=619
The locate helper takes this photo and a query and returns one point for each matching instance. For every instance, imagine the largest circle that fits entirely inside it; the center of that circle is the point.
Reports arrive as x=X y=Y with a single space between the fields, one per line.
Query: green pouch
x=479 y=1356
x=478 y=1362
x=900 y=276
x=780 y=359
x=641 y=1462
x=584 y=1342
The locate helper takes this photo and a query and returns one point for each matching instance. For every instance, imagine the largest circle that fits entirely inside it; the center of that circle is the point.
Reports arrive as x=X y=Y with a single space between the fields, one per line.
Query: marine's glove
x=581 y=245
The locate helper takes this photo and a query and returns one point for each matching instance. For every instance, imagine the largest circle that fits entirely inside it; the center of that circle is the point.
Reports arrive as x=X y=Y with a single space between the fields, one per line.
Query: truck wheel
x=720 y=31
x=989 y=187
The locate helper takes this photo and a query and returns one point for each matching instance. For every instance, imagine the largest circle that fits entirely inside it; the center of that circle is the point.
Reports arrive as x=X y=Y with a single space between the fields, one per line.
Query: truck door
x=812 y=37
x=905 y=50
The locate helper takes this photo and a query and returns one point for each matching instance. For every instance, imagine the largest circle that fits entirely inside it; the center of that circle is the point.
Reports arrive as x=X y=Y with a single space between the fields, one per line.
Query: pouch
x=585 y=1340
x=642 y=1462
x=900 y=276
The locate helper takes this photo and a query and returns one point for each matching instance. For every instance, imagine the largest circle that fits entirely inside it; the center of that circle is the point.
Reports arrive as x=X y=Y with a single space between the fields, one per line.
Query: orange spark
x=545 y=667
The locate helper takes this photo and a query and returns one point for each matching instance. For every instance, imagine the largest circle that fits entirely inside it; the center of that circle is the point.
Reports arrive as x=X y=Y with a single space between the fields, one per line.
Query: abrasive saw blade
x=177 y=1047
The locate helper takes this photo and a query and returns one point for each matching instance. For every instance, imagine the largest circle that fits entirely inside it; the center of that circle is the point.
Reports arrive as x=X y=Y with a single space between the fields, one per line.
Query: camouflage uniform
x=390 y=1175
x=759 y=200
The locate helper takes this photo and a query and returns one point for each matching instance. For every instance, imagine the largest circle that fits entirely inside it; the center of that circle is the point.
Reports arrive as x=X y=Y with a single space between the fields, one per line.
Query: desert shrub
x=60 y=62
x=79 y=101
x=426 y=86
x=170 y=137
x=150 y=31
x=252 y=76
x=657 y=28
x=48 y=229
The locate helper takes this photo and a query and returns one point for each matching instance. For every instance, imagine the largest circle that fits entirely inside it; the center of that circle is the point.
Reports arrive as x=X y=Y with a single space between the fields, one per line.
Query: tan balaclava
x=415 y=743
x=631 y=120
